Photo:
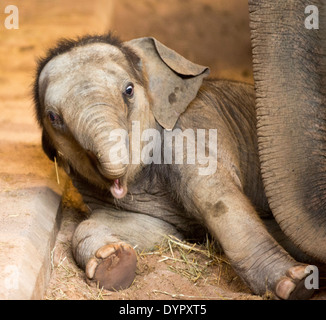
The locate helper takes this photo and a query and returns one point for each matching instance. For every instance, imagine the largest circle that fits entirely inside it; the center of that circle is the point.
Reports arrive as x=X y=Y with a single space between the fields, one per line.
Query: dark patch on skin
x=172 y=98
x=219 y=209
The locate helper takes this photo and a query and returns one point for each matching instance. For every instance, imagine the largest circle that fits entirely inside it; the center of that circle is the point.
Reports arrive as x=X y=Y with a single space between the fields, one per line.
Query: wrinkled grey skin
x=289 y=63
x=80 y=97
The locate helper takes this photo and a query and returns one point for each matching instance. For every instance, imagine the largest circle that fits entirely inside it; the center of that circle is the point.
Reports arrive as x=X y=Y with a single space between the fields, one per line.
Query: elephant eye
x=55 y=119
x=129 y=91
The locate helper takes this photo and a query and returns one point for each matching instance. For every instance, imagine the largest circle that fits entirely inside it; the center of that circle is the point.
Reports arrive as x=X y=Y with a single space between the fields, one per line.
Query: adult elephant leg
x=274 y=229
x=104 y=245
x=289 y=64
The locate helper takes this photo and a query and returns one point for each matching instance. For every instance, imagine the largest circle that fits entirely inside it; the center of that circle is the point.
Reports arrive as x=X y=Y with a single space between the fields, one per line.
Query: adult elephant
x=289 y=62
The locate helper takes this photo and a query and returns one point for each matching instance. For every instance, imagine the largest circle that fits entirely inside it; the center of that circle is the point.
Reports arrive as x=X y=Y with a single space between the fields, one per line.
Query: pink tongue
x=117 y=190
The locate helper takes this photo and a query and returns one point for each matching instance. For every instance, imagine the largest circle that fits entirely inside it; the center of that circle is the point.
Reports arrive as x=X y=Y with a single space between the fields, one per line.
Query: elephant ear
x=173 y=80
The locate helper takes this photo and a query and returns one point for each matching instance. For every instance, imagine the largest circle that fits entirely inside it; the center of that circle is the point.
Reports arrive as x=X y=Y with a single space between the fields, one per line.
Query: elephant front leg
x=106 y=259
x=104 y=245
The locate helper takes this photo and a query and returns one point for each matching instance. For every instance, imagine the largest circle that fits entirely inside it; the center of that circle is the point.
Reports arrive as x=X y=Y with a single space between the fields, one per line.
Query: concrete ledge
x=29 y=222
x=29 y=194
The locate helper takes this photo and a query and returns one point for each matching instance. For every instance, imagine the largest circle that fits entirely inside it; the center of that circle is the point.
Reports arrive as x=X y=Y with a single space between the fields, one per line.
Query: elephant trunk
x=289 y=62
x=104 y=137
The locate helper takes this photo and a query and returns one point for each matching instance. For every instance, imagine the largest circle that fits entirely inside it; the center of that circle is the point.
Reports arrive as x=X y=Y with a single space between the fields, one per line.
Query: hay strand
x=56 y=170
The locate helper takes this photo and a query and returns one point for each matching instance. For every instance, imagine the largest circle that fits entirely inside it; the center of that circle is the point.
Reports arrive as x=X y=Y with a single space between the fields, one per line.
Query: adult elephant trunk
x=289 y=62
x=103 y=135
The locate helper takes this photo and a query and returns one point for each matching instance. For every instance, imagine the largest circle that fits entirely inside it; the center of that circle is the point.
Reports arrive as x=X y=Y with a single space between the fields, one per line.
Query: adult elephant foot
x=292 y=286
x=113 y=266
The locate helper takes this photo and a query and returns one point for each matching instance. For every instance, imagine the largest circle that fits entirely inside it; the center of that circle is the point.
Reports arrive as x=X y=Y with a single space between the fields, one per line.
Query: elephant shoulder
x=230 y=95
x=229 y=86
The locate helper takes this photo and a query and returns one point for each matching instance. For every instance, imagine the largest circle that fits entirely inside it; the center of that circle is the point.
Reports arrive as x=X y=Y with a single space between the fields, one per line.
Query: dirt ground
x=174 y=270
x=209 y=32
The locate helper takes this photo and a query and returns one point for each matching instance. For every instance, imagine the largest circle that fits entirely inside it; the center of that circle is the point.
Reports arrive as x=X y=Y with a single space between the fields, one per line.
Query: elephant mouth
x=118 y=189
x=118 y=185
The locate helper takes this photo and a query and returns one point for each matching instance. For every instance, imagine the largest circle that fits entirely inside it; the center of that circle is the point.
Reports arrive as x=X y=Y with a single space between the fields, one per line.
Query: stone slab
x=28 y=227
x=29 y=220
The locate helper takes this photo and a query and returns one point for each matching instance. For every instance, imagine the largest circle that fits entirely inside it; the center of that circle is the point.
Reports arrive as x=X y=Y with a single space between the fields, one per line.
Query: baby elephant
x=156 y=149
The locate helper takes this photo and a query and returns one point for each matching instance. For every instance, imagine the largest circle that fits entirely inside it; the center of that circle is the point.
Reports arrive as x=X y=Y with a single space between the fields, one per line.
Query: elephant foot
x=292 y=286
x=113 y=267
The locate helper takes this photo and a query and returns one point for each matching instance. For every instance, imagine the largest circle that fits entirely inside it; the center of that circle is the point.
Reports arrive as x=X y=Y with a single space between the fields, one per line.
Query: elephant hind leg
x=104 y=245
x=292 y=285
x=254 y=254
